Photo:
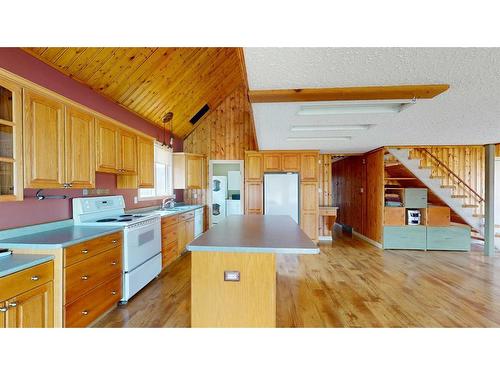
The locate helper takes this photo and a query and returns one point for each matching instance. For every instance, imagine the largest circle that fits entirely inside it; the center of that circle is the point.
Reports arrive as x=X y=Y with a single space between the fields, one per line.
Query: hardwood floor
x=350 y=284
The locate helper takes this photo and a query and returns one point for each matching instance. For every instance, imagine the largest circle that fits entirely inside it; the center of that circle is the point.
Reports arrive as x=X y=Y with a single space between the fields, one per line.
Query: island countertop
x=255 y=234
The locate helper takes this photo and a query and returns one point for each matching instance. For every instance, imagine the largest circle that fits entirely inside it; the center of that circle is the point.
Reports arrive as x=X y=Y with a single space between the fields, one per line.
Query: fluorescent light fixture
x=304 y=128
x=317 y=139
x=356 y=107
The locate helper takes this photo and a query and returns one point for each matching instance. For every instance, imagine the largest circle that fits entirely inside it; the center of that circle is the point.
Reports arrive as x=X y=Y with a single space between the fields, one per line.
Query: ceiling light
x=356 y=107
x=318 y=139
x=303 y=128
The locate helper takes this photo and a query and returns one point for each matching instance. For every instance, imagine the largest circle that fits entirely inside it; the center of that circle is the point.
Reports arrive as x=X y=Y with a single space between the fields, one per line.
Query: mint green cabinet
x=415 y=198
x=406 y=237
x=454 y=237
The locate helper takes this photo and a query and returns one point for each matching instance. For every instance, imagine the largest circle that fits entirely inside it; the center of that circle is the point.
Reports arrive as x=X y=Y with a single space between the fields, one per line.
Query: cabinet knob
x=85 y=277
x=85 y=251
x=113 y=293
x=114 y=241
x=3 y=309
x=114 y=263
x=35 y=278
x=12 y=304
x=70 y=185
x=85 y=312
x=65 y=185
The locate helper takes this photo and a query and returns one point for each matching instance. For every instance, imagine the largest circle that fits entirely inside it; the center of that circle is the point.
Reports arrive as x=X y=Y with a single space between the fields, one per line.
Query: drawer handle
x=85 y=251
x=85 y=312
x=85 y=277
x=35 y=278
x=3 y=309
x=13 y=304
x=113 y=292
x=114 y=263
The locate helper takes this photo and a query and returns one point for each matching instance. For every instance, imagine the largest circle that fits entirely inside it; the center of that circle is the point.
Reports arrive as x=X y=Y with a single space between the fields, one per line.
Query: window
x=163 y=175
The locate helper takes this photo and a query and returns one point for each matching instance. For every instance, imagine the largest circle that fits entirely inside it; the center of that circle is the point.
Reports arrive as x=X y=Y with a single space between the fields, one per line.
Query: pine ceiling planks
x=152 y=81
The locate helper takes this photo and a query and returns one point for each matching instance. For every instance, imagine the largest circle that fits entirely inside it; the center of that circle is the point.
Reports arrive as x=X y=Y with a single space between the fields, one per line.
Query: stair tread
x=470 y=205
x=458 y=196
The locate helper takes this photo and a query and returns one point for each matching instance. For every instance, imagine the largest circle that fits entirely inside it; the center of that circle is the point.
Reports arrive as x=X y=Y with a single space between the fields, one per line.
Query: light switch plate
x=231 y=275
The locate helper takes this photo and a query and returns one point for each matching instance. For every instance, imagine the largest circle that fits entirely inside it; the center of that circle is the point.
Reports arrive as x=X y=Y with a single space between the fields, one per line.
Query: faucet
x=167 y=203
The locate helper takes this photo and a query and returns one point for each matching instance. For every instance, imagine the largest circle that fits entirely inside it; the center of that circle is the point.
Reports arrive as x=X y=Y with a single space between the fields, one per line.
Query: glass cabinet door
x=10 y=141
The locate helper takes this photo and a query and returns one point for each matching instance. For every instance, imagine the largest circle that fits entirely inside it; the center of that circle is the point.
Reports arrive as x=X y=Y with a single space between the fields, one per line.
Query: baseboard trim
x=369 y=240
x=325 y=238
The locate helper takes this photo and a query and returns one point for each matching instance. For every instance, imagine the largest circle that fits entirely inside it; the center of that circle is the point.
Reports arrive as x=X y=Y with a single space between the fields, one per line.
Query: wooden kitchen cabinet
x=43 y=141
x=107 y=146
x=27 y=298
x=253 y=198
x=11 y=152
x=169 y=239
x=309 y=215
x=253 y=166
x=145 y=167
x=272 y=162
x=309 y=166
x=79 y=148
x=189 y=170
x=127 y=154
x=290 y=162
x=181 y=237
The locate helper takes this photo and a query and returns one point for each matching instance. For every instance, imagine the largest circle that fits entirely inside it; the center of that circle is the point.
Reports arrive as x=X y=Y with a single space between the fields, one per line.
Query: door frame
x=210 y=175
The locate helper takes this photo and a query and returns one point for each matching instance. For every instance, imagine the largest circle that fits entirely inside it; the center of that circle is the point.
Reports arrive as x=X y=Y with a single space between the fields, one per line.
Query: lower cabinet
x=27 y=298
x=405 y=237
x=453 y=237
x=176 y=231
x=309 y=211
x=253 y=198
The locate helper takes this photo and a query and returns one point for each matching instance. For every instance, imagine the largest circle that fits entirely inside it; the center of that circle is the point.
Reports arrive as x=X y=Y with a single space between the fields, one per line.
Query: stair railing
x=459 y=181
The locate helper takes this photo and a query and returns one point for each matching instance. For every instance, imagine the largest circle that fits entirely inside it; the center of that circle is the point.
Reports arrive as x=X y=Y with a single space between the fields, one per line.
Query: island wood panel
x=467 y=162
x=151 y=81
x=325 y=191
x=250 y=302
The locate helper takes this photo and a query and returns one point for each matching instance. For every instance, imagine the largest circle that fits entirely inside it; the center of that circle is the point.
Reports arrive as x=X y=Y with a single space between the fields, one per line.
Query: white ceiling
x=468 y=113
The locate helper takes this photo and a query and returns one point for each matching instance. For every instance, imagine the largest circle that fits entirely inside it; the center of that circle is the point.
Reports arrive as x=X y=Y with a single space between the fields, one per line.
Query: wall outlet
x=195 y=195
x=85 y=192
x=135 y=200
x=231 y=275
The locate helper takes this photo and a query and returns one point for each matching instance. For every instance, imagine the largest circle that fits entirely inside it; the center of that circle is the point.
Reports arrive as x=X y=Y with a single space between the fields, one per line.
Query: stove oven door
x=142 y=242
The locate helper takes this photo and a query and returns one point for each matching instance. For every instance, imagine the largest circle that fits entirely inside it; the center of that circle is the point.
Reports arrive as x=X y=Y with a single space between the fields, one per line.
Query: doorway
x=226 y=189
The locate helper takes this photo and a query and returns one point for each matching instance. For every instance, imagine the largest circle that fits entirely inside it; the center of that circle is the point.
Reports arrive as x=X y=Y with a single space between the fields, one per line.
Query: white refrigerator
x=281 y=194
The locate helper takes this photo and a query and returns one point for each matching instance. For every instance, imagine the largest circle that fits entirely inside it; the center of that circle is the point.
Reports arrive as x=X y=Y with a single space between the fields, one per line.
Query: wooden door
x=107 y=146
x=194 y=172
x=43 y=141
x=253 y=167
x=181 y=237
x=145 y=163
x=272 y=162
x=127 y=152
x=290 y=162
x=80 y=148
x=189 y=230
x=32 y=309
x=309 y=167
x=309 y=215
x=253 y=198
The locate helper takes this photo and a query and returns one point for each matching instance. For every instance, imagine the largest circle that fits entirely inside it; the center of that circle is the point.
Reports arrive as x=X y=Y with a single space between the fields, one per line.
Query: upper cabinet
x=189 y=171
x=145 y=167
x=11 y=166
x=253 y=166
x=290 y=162
x=272 y=162
x=309 y=163
x=43 y=141
x=127 y=161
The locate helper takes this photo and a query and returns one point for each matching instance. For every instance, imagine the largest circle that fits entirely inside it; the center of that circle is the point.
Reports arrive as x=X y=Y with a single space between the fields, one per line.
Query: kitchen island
x=233 y=269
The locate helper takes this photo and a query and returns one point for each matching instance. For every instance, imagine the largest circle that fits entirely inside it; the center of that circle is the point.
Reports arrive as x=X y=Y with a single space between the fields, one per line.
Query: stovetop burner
x=138 y=215
x=106 y=220
x=126 y=215
x=125 y=219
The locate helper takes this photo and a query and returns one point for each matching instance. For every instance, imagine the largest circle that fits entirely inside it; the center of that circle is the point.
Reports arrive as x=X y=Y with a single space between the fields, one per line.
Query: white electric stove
x=141 y=238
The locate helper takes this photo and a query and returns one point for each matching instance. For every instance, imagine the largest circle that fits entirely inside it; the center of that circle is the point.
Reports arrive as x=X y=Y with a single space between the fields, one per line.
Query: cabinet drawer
x=169 y=220
x=405 y=237
x=415 y=198
x=22 y=281
x=455 y=238
x=169 y=253
x=88 y=249
x=89 y=307
x=186 y=216
x=169 y=234
x=80 y=278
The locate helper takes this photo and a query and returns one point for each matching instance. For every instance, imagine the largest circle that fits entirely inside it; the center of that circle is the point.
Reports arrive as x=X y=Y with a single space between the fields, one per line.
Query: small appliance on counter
x=413 y=217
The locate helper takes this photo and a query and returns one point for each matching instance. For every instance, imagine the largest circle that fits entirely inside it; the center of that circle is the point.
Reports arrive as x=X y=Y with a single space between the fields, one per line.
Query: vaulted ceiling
x=153 y=81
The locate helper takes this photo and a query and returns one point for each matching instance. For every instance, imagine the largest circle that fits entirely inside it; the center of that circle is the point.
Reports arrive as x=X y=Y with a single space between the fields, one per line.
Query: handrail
x=460 y=181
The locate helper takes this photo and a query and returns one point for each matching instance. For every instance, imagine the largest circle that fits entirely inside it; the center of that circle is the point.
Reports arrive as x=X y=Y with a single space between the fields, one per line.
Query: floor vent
x=199 y=114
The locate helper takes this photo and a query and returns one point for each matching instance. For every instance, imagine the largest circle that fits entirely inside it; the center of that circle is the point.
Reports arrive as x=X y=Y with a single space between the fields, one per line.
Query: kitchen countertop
x=255 y=234
x=18 y=262
x=164 y=213
x=57 y=238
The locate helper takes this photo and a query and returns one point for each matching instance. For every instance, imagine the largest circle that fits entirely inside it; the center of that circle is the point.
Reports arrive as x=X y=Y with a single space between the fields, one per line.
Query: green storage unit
x=406 y=237
x=415 y=198
x=453 y=237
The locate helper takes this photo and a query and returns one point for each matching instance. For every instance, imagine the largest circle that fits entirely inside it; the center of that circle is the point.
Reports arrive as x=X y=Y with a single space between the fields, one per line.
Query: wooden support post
x=489 y=204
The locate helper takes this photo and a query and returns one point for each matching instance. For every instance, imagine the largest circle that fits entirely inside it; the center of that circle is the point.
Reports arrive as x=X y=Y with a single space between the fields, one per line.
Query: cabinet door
x=145 y=162
x=309 y=167
x=253 y=167
x=80 y=148
x=3 y=314
x=32 y=309
x=253 y=198
x=272 y=162
x=43 y=142
x=290 y=162
x=181 y=237
x=128 y=152
x=194 y=171
x=309 y=224
x=189 y=230
x=11 y=152
x=309 y=209
x=107 y=146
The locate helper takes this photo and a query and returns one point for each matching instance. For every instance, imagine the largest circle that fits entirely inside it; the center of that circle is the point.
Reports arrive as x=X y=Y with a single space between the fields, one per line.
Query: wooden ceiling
x=153 y=81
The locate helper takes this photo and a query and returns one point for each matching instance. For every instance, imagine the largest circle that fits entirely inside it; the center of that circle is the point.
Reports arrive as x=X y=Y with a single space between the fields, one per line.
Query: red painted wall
x=31 y=211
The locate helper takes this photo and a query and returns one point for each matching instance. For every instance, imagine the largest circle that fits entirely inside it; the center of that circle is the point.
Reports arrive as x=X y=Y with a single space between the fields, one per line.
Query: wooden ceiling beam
x=347 y=93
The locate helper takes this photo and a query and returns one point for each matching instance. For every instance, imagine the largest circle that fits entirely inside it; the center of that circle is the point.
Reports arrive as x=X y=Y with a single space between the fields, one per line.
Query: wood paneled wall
x=325 y=190
x=357 y=189
x=225 y=134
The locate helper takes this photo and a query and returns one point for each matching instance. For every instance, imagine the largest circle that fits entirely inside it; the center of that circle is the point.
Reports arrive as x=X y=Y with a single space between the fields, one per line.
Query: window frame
x=159 y=146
